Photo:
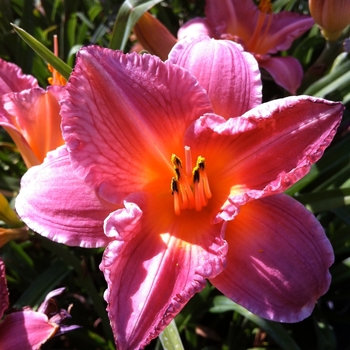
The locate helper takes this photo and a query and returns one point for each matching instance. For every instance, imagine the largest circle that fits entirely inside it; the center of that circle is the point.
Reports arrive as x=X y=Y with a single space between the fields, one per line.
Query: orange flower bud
x=332 y=16
x=154 y=36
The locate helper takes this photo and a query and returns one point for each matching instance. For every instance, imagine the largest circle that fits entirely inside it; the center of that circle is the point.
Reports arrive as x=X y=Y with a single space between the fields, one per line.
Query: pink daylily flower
x=191 y=195
x=260 y=31
x=28 y=329
x=29 y=113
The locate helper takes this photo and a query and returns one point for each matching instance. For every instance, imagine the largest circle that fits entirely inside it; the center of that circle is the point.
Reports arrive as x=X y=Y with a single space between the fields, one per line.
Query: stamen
x=262 y=26
x=265 y=6
x=189 y=188
x=204 y=177
x=175 y=193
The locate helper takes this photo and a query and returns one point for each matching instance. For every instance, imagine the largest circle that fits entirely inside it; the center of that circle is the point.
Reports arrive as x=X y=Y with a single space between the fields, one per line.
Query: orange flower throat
x=190 y=186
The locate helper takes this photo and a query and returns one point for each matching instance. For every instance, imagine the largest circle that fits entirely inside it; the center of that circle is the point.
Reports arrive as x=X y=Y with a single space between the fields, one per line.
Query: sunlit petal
x=32 y=119
x=13 y=80
x=124 y=117
x=278 y=259
x=237 y=88
x=154 y=267
x=59 y=206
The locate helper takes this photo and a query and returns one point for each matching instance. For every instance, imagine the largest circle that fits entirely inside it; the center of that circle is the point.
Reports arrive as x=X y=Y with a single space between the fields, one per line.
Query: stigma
x=190 y=185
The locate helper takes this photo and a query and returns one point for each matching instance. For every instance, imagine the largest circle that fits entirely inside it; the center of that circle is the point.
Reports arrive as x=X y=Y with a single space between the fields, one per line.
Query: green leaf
x=170 y=337
x=129 y=13
x=335 y=79
x=44 y=284
x=44 y=53
x=274 y=329
x=325 y=200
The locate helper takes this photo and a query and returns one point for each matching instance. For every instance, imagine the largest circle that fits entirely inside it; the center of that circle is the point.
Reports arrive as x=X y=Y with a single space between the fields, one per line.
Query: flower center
x=189 y=186
x=262 y=26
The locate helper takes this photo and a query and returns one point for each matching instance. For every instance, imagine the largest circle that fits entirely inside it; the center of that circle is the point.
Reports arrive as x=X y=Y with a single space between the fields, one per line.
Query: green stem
x=322 y=64
x=170 y=337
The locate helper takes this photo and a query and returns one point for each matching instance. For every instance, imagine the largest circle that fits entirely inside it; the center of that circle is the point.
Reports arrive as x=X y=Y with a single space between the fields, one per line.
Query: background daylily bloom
x=332 y=16
x=142 y=136
x=260 y=31
x=28 y=329
x=30 y=116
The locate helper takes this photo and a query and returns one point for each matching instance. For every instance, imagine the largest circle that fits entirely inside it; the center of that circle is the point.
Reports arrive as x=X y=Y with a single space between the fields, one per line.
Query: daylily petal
x=225 y=17
x=284 y=29
x=241 y=19
x=278 y=259
x=195 y=27
x=285 y=71
x=124 y=116
x=32 y=119
x=154 y=36
x=13 y=80
x=280 y=140
x=230 y=75
x=26 y=330
x=56 y=204
x=44 y=306
x=152 y=270
x=4 y=296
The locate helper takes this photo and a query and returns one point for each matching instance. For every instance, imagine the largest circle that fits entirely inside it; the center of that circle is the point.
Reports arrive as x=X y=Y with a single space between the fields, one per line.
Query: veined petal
x=154 y=266
x=13 y=80
x=4 y=295
x=32 y=119
x=285 y=71
x=25 y=330
x=124 y=116
x=278 y=259
x=230 y=75
x=56 y=204
x=266 y=150
x=195 y=27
